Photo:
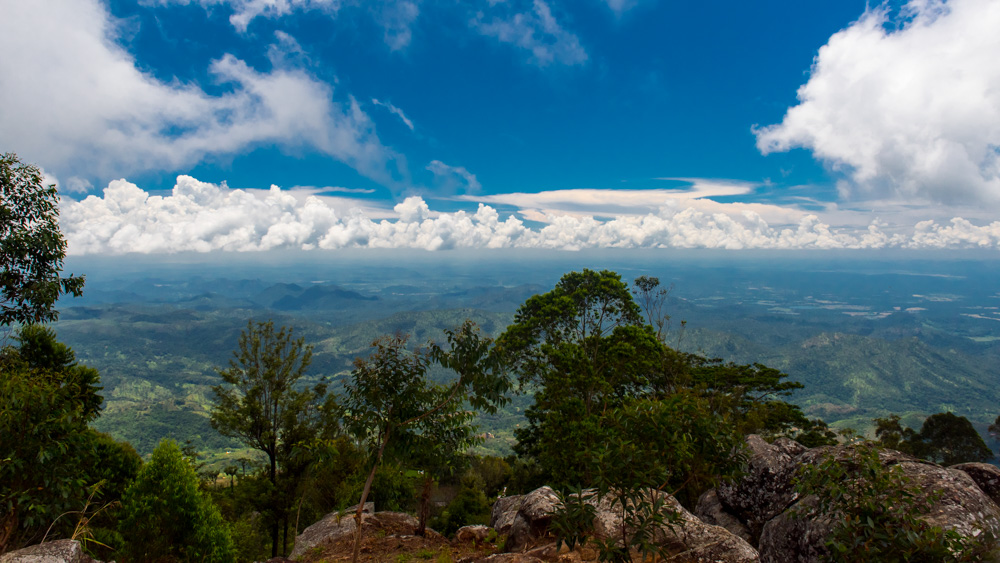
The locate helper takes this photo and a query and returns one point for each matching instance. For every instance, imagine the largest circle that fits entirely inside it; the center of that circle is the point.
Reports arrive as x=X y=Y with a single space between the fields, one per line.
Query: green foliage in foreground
x=165 y=517
x=46 y=402
x=32 y=248
x=874 y=509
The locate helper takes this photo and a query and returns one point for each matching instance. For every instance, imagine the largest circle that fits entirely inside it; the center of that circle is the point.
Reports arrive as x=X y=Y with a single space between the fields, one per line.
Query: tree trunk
x=364 y=497
x=425 y=504
x=274 y=498
x=284 y=536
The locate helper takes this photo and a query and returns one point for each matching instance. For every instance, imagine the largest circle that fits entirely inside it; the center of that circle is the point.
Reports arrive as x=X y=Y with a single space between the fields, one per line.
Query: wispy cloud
x=452 y=179
x=81 y=105
x=202 y=217
x=395 y=111
x=908 y=110
x=534 y=29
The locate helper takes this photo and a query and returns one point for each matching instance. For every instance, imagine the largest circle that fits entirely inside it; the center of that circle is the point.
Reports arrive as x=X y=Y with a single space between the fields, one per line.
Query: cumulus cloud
x=201 y=217
x=535 y=30
x=908 y=109
x=75 y=101
x=395 y=111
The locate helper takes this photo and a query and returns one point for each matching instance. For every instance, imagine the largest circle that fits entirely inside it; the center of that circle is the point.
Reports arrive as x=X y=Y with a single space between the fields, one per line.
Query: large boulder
x=799 y=534
x=331 y=527
x=711 y=511
x=697 y=540
x=986 y=476
x=60 y=551
x=766 y=489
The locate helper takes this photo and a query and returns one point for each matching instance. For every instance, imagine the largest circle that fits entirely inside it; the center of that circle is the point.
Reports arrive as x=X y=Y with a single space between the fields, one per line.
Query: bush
x=874 y=509
x=166 y=518
x=469 y=507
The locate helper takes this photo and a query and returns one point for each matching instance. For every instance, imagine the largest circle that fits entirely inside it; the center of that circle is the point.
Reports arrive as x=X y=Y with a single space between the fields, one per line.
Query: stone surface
x=529 y=517
x=959 y=505
x=711 y=511
x=60 y=551
x=331 y=527
x=766 y=488
x=696 y=540
x=986 y=476
x=504 y=511
x=477 y=533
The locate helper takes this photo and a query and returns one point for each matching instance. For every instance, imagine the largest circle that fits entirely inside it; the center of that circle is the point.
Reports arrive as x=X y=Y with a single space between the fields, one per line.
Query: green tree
x=949 y=439
x=262 y=404
x=944 y=438
x=390 y=397
x=165 y=517
x=32 y=248
x=46 y=403
x=583 y=349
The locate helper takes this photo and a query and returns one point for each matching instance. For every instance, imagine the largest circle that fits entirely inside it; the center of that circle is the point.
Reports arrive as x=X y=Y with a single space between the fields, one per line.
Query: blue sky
x=517 y=123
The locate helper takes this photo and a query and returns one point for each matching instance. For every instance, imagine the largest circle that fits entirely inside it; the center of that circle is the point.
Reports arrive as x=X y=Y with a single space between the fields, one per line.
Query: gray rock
x=986 y=476
x=528 y=517
x=689 y=540
x=959 y=505
x=696 y=540
x=333 y=526
x=474 y=534
x=504 y=511
x=60 y=551
x=766 y=488
x=711 y=511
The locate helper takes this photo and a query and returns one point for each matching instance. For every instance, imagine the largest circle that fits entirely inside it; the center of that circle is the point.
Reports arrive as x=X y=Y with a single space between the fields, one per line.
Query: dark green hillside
x=851 y=378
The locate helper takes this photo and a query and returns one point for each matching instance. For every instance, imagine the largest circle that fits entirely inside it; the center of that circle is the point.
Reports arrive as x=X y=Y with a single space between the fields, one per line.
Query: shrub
x=166 y=518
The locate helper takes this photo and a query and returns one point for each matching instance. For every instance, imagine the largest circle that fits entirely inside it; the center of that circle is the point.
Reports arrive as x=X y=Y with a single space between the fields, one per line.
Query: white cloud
x=76 y=103
x=202 y=217
x=534 y=30
x=911 y=113
x=395 y=111
x=454 y=178
x=396 y=17
x=619 y=7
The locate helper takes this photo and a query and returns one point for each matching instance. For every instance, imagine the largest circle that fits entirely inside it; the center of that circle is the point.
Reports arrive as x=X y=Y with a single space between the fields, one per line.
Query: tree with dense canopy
x=944 y=438
x=165 y=517
x=32 y=248
x=47 y=400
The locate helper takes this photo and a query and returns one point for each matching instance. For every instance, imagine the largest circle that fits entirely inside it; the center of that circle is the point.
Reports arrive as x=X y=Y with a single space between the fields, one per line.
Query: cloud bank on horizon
x=202 y=217
x=901 y=107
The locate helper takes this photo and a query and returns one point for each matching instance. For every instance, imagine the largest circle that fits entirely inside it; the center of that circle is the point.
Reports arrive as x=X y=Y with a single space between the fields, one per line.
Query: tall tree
x=390 y=397
x=46 y=402
x=32 y=248
x=583 y=349
x=261 y=403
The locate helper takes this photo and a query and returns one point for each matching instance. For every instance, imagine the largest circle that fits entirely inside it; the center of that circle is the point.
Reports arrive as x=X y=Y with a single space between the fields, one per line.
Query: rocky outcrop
x=60 y=551
x=788 y=528
x=711 y=511
x=697 y=540
x=472 y=534
x=986 y=476
x=331 y=527
x=766 y=489
x=529 y=516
